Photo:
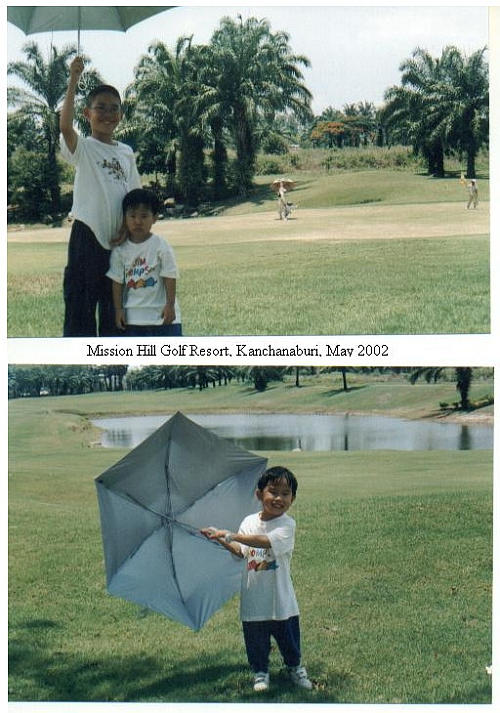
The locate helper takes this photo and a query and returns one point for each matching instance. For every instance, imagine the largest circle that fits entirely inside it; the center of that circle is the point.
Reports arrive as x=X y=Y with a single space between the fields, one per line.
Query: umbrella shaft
x=79 y=26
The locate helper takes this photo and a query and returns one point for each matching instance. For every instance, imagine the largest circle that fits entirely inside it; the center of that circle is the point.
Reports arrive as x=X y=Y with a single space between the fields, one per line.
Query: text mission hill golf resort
x=238 y=350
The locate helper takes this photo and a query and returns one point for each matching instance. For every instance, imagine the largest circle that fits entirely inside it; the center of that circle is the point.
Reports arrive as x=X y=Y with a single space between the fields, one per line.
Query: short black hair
x=278 y=472
x=141 y=196
x=102 y=89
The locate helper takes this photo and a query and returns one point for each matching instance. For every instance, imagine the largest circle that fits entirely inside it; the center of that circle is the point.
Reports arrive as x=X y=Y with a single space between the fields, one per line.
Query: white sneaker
x=261 y=681
x=298 y=674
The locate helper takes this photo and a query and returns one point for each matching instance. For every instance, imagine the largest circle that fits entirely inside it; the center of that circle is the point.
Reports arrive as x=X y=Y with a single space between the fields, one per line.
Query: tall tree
x=441 y=105
x=258 y=76
x=163 y=93
x=461 y=110
x=463 y=380
x=411 y=107
x=46 y=81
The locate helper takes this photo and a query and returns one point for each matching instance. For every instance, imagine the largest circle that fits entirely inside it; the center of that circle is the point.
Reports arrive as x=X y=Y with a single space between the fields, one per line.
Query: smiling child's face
x=276 y=498
x=104 y=115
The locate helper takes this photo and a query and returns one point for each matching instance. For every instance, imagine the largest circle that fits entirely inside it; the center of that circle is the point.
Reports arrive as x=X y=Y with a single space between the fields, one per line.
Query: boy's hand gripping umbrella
x=154 y=502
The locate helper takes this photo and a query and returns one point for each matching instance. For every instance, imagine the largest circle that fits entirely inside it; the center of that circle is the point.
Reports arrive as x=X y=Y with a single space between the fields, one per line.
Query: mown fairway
x=383 y=266
x=392 y=567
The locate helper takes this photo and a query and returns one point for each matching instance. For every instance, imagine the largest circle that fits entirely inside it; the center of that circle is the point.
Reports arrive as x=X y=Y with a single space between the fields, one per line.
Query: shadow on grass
x=40 y=672
x=349 y=390
x=51 y=675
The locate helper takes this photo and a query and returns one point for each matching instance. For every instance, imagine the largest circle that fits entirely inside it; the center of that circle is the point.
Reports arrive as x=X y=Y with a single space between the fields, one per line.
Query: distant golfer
x=473 y=194
x=283 y=208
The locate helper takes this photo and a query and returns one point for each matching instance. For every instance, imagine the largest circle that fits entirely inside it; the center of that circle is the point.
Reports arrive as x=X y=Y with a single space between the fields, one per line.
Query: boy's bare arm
x=68 y=107
x=117 y=291
x=226 y=537
x=169 y=309
x=213 y=534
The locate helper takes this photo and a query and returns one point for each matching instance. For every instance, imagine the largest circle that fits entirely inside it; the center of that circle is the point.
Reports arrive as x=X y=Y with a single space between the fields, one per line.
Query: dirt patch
x=369 y=222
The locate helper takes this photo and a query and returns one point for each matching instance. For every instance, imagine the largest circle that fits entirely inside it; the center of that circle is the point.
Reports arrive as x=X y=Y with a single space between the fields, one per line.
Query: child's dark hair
x=141 y=196
x=278 y=472
x=101 y=89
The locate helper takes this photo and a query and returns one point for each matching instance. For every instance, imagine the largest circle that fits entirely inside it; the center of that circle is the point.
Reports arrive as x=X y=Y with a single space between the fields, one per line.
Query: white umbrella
x=288 y=185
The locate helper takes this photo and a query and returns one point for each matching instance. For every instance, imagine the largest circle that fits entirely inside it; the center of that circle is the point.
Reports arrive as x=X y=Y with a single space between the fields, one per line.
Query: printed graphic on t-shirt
x=259 y=560
x=114 y=169
x=138 y=275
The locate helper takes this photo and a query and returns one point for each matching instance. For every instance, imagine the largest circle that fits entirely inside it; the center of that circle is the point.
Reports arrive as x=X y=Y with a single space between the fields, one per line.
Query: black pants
x=160 y=330
x=86 y=287
x=258 y=642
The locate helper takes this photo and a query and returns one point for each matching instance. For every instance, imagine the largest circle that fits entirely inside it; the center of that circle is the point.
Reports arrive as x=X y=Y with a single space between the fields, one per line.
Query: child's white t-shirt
x=105 y=173
x=140 y=267
x=266 y=587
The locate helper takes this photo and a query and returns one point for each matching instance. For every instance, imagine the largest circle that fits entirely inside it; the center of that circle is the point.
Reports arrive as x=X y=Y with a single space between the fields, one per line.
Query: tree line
x=55 y=380
x=198 y=114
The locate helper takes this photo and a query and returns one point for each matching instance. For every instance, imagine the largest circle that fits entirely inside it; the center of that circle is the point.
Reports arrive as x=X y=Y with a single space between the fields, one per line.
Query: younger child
x=144 y=273
x=268 y=606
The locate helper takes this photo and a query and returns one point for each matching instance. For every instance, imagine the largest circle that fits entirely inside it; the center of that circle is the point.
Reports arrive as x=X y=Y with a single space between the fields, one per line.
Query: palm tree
x=462 y=109
x=257 y=76
x=442 y=105
x=463 y=380
x=163 y=94
x=411 y=107
x=367 y=120
x=46 y=81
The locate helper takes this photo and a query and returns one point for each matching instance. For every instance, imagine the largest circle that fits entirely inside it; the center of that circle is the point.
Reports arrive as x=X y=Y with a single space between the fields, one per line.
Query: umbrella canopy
x=288 y=185
x=152 y=505
x=31 y=18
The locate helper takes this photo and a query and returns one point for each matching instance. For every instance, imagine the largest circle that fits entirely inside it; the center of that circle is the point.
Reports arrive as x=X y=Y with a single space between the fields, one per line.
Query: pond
x=310 y=432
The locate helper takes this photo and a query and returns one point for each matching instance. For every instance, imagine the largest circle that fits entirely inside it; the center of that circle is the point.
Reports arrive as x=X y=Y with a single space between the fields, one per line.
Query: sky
x=354 y=51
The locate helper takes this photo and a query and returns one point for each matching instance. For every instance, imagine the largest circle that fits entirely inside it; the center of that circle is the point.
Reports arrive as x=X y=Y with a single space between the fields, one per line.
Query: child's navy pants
x=86 y=287
x=258 y=634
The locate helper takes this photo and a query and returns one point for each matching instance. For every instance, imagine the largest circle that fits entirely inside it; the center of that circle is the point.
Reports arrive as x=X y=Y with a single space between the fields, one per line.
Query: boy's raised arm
x=68 y=107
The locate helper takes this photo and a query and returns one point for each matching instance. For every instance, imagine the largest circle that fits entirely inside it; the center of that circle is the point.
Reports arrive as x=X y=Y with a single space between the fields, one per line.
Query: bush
x=275 y=144
x=29 y=181
x=346 y=159
x=267 y=165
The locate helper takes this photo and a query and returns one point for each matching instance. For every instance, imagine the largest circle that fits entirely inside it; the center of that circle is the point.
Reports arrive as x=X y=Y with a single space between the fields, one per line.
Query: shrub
x=267 y=165
x=275 y=144
x=29 y=181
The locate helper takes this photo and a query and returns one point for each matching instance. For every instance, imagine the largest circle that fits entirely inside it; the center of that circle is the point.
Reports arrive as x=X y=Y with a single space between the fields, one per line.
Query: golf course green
x=392 y=564
x=366 y=252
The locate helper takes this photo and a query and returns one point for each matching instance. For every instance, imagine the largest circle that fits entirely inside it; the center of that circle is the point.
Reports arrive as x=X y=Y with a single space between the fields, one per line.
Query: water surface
x=310 y=432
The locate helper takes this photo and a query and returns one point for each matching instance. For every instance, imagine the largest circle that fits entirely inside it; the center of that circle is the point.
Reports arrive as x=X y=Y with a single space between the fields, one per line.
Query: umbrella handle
x=84 y=83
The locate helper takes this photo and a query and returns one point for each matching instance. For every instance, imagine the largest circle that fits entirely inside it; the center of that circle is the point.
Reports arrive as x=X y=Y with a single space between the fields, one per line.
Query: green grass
x=361 y=287
x=370 y=287
x=391 y=395
x=318 y=189
x=392 y=570
x=370 y=252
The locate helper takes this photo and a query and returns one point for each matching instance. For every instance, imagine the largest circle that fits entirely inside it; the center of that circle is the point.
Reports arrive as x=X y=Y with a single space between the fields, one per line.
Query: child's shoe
x=261 y=681
x=298 y=674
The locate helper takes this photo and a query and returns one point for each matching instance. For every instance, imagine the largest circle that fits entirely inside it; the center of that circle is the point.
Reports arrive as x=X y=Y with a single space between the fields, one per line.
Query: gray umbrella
x=153 y=503
x=32 y=18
